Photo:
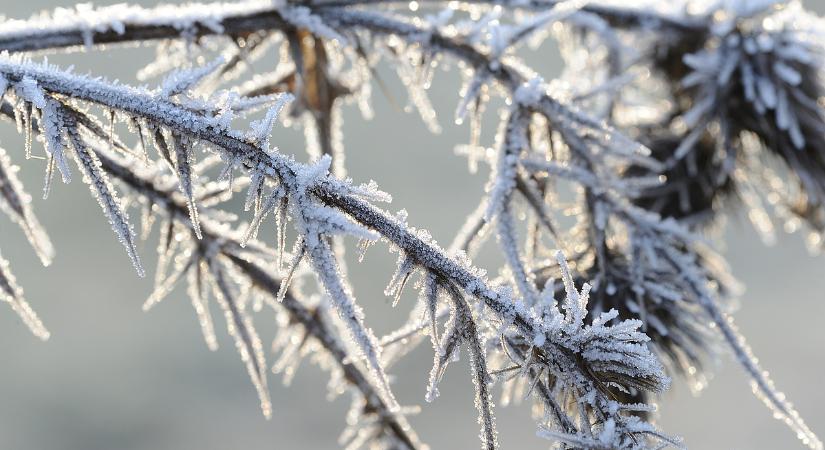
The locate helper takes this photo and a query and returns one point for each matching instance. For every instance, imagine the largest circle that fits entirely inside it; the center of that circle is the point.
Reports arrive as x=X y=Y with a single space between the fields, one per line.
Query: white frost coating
x=762 y=385
x=768 y=51
x=184 y=80
x=482 y=382
x=298 y=252
x=240 y=327
x=766 y=60
x=620 y=348
x=351 y=314
x=411 y=76
x=103 y=191
x=403 y=270
x=203 y=276
x=198 y=285
x=506 y=229
x=165 y=283
x=31 y=92
x=260 y=131
x=530 y=92
x=12 y=294
x=302 y=180
x=316 y=223
x=302 y=17
x=500 y=189
x=500 y=38
x=53 y=132
x=269 y=205
x=16 y=204
x=574 y=303
x=565 y=144
x=444 y=353
x=91 y=21
x=183 y=165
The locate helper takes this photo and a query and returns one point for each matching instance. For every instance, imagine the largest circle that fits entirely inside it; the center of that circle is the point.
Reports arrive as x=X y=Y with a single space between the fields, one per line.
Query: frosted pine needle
x=102 y=189
x=16 y=204
x=198 y=293
x=239 y=325
x=183 y=164
x=12 y=294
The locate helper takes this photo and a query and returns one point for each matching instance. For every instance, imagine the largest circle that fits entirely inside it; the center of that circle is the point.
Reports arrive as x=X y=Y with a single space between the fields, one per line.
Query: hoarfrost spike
x=12 y=294
x=103 y=191
x=240 y=327
x=183 y=164
x=15 y=203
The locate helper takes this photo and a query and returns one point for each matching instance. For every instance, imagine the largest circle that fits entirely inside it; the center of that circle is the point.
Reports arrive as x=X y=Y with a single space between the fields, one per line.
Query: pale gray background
x=113 y=377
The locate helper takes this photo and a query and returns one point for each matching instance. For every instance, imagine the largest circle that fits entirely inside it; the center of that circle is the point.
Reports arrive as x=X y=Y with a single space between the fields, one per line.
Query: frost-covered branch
x=70 y=27
x=305 y=186
x=671 y=78
x=143 y=183
x=84 y=26
x=14 y=202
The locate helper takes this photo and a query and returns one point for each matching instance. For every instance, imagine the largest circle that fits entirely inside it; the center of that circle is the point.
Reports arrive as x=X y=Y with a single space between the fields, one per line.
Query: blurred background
x=113 y=377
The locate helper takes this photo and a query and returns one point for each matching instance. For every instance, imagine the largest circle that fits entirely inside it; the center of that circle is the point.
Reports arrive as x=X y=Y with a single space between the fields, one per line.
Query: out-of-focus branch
x=132 y=24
